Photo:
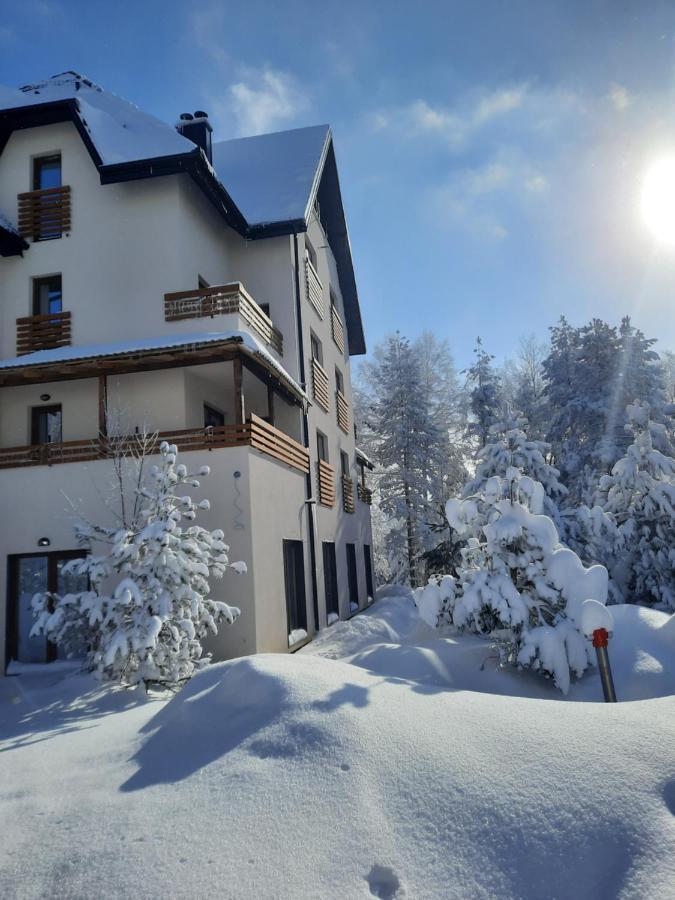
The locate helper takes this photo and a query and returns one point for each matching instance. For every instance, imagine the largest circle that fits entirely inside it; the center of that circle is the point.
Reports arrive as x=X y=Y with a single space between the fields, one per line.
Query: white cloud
x=455 y=125
x=265 y=99
x=619 y=97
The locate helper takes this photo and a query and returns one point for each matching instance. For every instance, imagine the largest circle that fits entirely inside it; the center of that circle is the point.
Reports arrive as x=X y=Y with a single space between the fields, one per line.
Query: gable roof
x=263 y=186
x=272 y=176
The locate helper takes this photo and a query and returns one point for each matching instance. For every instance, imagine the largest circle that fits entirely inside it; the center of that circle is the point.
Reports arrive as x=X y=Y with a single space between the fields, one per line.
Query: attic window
x=47 y=172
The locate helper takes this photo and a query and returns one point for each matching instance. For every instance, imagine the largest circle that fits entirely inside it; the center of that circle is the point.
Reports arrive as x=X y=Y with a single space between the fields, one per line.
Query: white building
x=153 y=280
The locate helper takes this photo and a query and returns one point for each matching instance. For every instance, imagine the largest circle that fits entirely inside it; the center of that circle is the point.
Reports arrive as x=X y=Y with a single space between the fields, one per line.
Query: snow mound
x=391 y=789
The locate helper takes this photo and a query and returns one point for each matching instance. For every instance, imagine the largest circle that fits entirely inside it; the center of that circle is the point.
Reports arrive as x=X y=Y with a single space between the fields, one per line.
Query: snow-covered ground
x=381 y=760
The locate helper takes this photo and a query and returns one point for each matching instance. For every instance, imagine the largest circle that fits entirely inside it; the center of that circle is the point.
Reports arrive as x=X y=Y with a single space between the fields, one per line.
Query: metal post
x=600 y=641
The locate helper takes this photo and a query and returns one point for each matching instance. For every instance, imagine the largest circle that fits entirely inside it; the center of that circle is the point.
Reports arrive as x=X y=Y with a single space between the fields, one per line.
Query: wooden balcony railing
x=221 y=300
x=326 y=479
x=336 y=328
x=347 y=494
x=314 y=288
x=254 y=433
x=342 y=409
x=42 y=332
x=320 y=389
x=44 y=214
x=364 y=494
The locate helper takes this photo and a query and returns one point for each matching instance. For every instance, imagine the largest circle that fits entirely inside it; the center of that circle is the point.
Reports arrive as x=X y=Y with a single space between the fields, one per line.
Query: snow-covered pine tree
x=640 y=495
x=508 y=445
x=524 y=388
x=517 y=585
x=147 y=608
x=485 y=394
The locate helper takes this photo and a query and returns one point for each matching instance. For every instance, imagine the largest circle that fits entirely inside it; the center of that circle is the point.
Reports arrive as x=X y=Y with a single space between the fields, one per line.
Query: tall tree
x=485 y=394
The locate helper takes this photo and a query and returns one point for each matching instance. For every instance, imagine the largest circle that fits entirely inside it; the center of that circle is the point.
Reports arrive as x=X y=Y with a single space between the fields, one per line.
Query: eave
x=11 y=243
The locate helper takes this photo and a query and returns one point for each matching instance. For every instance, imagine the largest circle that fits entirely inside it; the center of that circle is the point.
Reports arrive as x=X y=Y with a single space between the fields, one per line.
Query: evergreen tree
x=516 y=585
x=147 y=608
x=640 y=495
x=485 y=394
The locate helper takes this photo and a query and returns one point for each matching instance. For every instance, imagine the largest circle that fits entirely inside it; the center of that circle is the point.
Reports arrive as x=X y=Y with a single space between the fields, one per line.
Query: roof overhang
x=11 y=243
x=125 y=362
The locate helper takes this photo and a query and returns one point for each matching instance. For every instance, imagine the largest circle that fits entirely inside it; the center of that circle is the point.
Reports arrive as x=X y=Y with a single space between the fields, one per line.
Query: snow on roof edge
x=120 y=348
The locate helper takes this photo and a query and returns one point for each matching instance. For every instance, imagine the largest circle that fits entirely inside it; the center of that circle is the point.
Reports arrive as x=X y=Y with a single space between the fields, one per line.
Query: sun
x=658 y=200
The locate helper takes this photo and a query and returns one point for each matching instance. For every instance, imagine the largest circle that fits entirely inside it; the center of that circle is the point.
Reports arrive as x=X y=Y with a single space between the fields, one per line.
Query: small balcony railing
x=44 y=214
x=254 y=433
x=222 y=300
x=326 y=479
x=45 y=332
x=347 y=494
x=364 y=494
x=320 y=388
x=337 y=329
x=314 y=288
x=342 y=410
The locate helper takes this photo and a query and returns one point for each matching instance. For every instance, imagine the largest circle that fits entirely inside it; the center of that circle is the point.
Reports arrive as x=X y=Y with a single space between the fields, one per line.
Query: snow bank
x=384 y=787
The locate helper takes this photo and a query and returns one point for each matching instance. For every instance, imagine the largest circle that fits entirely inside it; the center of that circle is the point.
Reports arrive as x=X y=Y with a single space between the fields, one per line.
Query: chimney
x=196 y=128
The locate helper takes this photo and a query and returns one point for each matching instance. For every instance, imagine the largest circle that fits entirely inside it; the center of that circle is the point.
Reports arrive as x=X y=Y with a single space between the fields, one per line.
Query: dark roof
x=263 y=186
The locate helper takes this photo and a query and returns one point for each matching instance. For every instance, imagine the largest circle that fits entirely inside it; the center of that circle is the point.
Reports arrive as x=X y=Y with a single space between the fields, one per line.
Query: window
x=315 y=348
x=339 y=381
x=334 y=302
x=213 y=418
x=330 y=581
x=47 y=172
x=294 y=580
x=310 y=252
x=46 y=425
x=369 y=570
x=322 y=446
x=47 y=295
x=344 y=463
x=352 y=578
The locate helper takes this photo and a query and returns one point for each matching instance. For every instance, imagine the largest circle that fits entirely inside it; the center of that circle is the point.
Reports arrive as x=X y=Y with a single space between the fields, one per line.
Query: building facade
x=154 y=282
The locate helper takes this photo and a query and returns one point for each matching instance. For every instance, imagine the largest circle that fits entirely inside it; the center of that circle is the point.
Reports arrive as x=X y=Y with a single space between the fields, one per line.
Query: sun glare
x=658 y=200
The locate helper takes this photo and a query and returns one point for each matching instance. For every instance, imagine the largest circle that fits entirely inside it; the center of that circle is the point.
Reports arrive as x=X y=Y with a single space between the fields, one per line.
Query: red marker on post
x=597 y=623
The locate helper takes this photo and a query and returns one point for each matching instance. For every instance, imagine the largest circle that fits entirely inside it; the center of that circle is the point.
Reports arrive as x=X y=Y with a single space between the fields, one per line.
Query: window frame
x=38 y=412
x=322 y=452
x=37 y=163
x=37 y=282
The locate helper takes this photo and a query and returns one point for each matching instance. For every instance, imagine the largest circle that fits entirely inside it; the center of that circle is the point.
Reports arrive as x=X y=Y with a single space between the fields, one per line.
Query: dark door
x=369 y=570
x=46 y=425
x=352 y=578
x=330 y=579
x=294 y=578
x=31 y=574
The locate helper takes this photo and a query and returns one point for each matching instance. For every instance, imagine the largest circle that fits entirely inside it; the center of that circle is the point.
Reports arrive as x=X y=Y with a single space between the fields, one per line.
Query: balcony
x=342 y=409
x=326 y=479
x=222 y=300
x=314 y=289
x=42 y=332
x=44 y=214
x=336 y=329
x=364 y=494
x=254 y=433
x=347 y=494
x=320 y=389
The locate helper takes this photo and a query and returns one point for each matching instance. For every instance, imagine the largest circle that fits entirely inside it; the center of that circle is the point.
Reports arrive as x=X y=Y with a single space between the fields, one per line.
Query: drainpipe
x=310 y=502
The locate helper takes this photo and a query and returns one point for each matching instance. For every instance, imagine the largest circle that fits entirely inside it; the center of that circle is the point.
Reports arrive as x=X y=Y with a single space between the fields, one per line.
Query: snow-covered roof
x=362 y=456
x=140 y=345
x=120 y=131
x=271 y=177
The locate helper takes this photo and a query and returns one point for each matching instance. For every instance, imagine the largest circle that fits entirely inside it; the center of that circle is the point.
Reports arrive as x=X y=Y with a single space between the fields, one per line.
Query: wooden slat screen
x=326 y=480
x=314 y=289
x=42 y=332
x=44 y=214
x=342 y=409
x=348 y=494
x=221 y=300
x=320 y=389
x=336 y=329
x=254 y=433
x=365 y=495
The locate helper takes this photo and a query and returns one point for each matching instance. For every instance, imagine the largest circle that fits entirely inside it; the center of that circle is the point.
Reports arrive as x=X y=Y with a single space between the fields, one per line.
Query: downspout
x=310 y=503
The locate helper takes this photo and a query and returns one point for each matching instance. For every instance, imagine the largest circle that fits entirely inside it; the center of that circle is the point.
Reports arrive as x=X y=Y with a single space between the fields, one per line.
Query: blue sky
x=491 y=153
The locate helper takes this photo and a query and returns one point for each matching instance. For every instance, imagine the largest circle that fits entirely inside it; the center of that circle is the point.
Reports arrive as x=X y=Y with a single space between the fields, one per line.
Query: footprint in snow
x=383 y=883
